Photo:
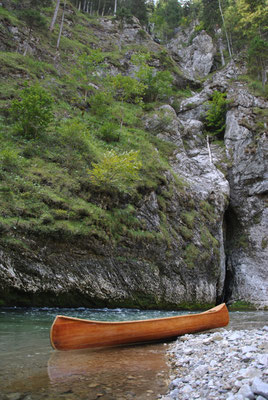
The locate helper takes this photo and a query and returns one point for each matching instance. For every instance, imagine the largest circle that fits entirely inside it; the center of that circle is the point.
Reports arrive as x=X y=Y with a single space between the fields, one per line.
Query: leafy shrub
x=32 y=18
x=216 y=114
x=257 y=57
x=116 y=171
x=99 y=103
x=127 y=88
x=33 y=112
x=74 y=134
x=109 y=132
x=46 y=219
x=157 y=84
x=9 y=159
x=88 y=69
x=59 y=214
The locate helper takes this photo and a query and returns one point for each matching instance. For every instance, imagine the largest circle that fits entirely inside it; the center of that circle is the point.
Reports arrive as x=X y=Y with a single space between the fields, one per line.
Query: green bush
x=216 y=114
x=9 y=159
x=73 y=133
x=157 y=84
x=99 y=103
x=127 y=89
x=109 y=132
x=32 y=18
x=33 y=112
x=116 y=171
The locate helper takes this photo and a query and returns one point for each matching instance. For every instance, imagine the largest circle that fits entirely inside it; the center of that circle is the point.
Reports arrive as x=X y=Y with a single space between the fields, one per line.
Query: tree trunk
x=61 y=25
x=28 y=41
x=209 y=151
x=98 y=11
x=224 y=27
x=263 y=75
x=221 y=50
x=54 y=16
x=103 y=10
x=115 y=6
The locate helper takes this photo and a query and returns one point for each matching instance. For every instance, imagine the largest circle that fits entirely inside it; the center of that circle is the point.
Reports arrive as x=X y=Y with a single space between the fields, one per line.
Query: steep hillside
x=108 y=194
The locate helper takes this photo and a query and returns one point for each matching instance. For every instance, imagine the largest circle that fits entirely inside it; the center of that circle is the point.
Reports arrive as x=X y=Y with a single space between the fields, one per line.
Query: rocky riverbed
x=230 y=365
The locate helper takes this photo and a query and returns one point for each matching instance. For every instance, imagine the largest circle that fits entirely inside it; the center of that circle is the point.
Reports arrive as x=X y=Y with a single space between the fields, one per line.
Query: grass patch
x=241 y=305
x=191 y=255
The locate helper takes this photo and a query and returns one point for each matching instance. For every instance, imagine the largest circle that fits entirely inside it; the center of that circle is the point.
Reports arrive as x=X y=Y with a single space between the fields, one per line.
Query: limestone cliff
x=207 y=213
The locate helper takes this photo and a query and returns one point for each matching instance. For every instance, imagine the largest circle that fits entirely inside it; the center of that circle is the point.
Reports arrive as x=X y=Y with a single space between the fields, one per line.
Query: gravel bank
x=219 y=365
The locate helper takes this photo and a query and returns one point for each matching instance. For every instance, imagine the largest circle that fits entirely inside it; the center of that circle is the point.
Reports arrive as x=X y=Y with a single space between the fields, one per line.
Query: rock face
x=195 y=56
x=247 y=147
x=186 y=270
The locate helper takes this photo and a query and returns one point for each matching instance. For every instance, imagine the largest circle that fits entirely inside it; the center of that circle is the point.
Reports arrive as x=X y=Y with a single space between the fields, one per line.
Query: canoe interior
x=69 y=333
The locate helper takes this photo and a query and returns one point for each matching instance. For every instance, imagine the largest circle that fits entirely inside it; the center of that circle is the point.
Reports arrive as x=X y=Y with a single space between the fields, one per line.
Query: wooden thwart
x=69 y=333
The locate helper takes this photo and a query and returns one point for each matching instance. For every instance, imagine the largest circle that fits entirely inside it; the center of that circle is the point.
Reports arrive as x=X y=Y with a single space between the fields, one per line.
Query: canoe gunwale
x=92 y=321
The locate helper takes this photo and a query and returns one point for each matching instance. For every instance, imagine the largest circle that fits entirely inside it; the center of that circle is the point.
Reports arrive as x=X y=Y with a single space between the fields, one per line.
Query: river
x=31 y=370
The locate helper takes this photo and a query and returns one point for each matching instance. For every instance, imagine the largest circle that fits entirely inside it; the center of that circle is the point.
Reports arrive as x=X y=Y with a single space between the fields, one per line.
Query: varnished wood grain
x=69 y=333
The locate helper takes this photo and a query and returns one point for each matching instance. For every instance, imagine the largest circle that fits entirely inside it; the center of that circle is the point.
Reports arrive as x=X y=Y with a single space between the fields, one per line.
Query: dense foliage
x=216 y=115
x=32 y=112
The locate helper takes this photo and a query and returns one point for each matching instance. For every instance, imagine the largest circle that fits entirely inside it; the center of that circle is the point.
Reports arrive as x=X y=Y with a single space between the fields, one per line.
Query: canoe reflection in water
x=111 y=373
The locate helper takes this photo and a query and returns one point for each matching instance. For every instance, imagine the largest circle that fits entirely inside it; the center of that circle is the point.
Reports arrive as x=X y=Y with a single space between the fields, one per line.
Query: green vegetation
x=75 y=159
x=240 y=24
x=216 y=115
x=264 y=243
x=191 y=255
x=116 y=171
x=32 y=112
x=241 y=305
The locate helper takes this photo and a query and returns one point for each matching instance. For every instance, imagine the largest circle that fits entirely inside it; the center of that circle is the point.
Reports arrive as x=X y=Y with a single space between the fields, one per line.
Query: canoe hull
x=73 y=333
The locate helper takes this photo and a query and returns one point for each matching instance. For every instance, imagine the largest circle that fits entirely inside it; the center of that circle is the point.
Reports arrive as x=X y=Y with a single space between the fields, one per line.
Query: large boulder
x=195 y=56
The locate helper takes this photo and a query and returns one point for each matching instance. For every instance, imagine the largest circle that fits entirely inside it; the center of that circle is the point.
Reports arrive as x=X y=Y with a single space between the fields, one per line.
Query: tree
x=166 y=17
x=30 y=4
x=127 y=89
x=116 y=171
x=257 y=57
x=88 y=69
x=61 y=26
x=225 y=30
x=157 y=84
x=33 y=19
x=53 y=21
x=210 y=15
x=138 y=9
x=33 y=112
x=247 y=22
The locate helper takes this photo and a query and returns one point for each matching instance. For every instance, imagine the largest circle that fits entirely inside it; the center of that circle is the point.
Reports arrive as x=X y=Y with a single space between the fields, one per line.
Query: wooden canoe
x=69 y=333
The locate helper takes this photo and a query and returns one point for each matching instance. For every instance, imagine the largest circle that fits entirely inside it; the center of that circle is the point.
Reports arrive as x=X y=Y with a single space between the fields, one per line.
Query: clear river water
x=31 y=370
